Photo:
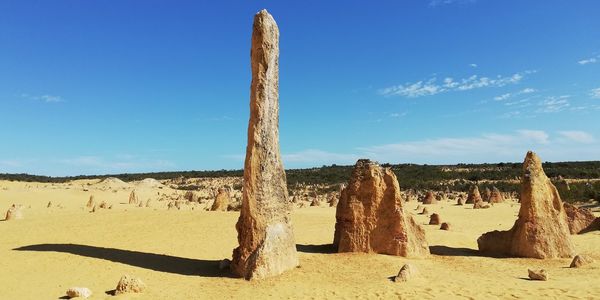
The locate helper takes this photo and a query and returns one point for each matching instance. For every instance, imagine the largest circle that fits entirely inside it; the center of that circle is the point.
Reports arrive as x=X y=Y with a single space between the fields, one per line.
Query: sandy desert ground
x=177 y=253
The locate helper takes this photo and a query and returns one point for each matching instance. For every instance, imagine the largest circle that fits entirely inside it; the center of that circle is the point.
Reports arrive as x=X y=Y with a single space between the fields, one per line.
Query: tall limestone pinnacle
x=541 y=230
x=266 y=240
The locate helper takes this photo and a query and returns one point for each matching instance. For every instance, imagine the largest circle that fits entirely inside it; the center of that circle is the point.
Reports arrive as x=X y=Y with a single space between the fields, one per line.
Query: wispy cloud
x=432 y=86
x=397 y=115
x=595 y=93
x=488 y=148
x=578 y=136
x=554 y=104
x=491 y=147
x=43 y=98
x=591 y=60
x=118 y=164
x=508 y=95
x=473 y=65
x=434 y=3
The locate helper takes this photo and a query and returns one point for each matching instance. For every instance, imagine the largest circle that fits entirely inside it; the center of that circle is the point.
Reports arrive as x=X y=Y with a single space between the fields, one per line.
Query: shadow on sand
x=322 y=249
x=450 y=251
x=152 y=261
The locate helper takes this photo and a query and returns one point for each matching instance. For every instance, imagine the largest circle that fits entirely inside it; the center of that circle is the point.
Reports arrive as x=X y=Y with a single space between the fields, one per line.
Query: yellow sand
x=177 y=253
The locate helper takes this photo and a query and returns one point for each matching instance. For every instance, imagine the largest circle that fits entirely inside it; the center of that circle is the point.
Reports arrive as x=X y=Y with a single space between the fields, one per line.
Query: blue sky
x=95 y=87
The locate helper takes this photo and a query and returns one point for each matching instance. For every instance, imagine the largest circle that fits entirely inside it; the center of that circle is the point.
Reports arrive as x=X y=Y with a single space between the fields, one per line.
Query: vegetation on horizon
x=458 y=177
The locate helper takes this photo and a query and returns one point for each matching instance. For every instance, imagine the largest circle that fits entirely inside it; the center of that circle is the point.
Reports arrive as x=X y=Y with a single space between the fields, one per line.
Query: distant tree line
x=458 y=177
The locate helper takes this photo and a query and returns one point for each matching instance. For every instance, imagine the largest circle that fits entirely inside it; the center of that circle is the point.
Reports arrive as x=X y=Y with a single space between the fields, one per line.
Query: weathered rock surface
x=474 y=196
x=580 y=261
x=267 y=245
x=541 y=230
x=129 y=284
x=480 y=205
x=14 y=213
x=221 y=201
x=406 y=273
x=133 y=199
x=80 y=292
x=90 y=202
x=579 y=219
x=538 y=274
x=370 y=216
x=445 y=226
x=434 y=219
x=429 y=198
x=496 y=196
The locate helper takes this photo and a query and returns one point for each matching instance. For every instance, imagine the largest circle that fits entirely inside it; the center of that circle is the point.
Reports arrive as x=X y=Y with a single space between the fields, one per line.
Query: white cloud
x=491 y=147
x=527 y=91
x=434 y=3
x=502 y=97
x=44 y=98
x=318 y=157
x=473 y=65
x=521 y=92
x=537 y=136
x=595 y=93
x=397 y=115
x=591 y=60
x=554 y=104
x=117 y=164
x=432 y=87
x=486 y=148
x=577 y=136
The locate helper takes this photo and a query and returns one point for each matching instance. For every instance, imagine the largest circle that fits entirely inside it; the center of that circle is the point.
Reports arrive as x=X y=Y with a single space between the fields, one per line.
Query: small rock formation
x=103 y=205
x=14 y=213
x=541 y=230
x=445 y=226
x=221 y=201
x=333 y=202
x=425 y=211
x=474 y=195
x=538 y=274
x=434 y=219
x=496 y=196
x=419 y=207
x=90 y=202
x=49 y=204
x=460 y=201
x=487 y=194
x=315 y=202
x=370 y=216
x=429 y=198
x=579 y=219
x=580 y=261
x=133 y=199
x=406 y=273
x=128 y=284
x=81 y=292
x=266 y=239
x=191 y=196
x=480 y=205
x=149 y=202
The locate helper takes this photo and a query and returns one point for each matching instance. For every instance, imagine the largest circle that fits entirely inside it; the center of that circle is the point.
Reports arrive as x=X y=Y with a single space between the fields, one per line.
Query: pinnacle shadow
x=151 y=261
x=457 y=251
x=319 y=249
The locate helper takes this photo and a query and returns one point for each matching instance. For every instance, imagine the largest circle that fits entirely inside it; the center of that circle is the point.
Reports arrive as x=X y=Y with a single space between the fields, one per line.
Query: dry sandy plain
x=177 y=253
